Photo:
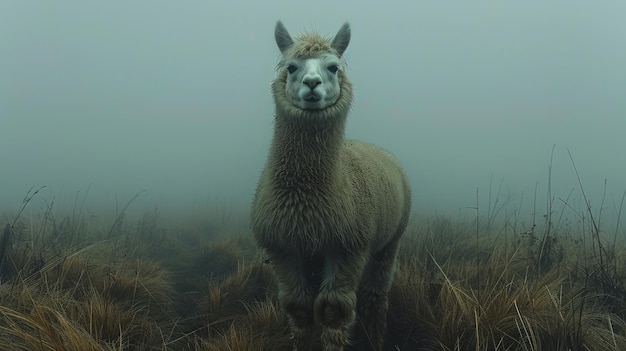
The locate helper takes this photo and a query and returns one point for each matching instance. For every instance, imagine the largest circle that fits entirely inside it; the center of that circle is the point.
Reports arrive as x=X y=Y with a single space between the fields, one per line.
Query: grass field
x=83 y=282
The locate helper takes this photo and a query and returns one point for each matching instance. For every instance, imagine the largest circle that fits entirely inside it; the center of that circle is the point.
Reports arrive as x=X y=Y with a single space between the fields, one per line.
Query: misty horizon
x=173 y=101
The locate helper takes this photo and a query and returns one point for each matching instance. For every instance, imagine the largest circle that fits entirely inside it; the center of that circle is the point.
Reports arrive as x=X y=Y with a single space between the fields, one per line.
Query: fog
x=103 y=100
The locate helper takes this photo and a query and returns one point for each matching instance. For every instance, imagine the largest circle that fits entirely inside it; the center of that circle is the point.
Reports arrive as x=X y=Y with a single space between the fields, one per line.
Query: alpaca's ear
x=342 y=39
x=283 y=39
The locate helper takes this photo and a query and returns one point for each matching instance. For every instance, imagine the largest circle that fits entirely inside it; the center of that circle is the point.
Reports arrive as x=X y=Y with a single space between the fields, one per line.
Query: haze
x=113 y=98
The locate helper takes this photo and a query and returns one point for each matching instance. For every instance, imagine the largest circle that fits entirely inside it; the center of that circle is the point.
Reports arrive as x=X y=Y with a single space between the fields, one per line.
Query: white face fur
x=313 y=83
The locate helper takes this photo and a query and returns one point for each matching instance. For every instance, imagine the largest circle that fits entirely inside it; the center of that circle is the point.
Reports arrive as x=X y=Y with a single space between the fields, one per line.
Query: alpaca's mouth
x=312 y=97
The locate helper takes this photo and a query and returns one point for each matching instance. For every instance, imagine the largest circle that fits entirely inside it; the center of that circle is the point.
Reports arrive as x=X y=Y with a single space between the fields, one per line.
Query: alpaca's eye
x=333 y=68
x=292 y=68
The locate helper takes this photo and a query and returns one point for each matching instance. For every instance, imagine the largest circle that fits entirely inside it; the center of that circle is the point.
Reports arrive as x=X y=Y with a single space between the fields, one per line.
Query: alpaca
x=328 y=212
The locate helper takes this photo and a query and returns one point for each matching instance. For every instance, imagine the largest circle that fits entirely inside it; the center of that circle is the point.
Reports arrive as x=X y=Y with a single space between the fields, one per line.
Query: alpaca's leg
x=374 y=297
x=335 y=305
x=295 y=296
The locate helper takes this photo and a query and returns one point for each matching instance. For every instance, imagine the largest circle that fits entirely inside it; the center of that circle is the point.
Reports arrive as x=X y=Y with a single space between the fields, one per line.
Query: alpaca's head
x=312 y=67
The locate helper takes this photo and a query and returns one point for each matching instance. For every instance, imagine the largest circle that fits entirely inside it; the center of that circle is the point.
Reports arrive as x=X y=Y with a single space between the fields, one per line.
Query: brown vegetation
x=459 y=286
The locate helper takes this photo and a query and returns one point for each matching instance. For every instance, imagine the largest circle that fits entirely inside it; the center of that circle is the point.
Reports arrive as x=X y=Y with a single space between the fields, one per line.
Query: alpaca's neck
x=305 y=150
x=305 y=158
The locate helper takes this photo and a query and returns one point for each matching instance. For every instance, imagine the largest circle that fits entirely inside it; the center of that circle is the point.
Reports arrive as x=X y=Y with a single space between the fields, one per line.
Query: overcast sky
x=172 y=97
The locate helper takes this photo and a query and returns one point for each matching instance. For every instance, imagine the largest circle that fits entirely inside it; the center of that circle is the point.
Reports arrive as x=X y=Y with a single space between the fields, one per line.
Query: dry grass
x=84 y=285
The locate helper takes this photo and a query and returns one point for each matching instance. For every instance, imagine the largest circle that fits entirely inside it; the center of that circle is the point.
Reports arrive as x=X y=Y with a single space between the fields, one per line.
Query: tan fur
x=326 y=211
x=310 y=45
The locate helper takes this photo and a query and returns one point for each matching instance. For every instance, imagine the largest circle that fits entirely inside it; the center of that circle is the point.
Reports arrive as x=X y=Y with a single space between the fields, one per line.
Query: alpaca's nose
x=312 y=80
